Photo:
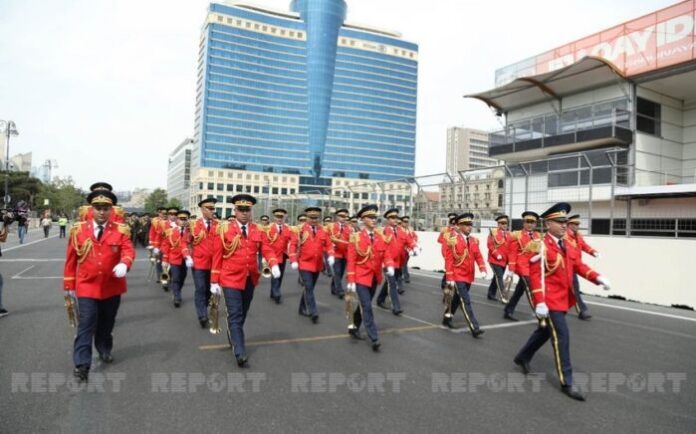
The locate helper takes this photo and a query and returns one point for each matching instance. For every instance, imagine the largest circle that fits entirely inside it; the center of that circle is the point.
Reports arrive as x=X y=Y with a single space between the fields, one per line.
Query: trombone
x=164 y=277
x=265 y=269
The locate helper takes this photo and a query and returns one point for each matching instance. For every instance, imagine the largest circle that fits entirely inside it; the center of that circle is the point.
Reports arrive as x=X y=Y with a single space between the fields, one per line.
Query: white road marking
x=611 y=306
x=16 y=276
x=7 y=249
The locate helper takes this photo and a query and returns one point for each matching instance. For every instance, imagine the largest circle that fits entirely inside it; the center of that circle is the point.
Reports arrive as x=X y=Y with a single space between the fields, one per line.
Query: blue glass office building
x=304 y=92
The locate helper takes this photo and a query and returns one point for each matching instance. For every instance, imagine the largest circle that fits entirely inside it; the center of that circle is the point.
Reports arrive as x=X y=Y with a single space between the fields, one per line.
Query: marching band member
x=339 y=232
x=368 y=256
x=498 y=241
x=520 y=250
x=398 y=243
x=279 y=235
x=551 y=278
x=462 y=253
x=235 y=272
x=307 y=248
x=203 y=231
x=413 y=236
x=99 y=254
x=445 y=233
x=176 y=255
x=577 y=241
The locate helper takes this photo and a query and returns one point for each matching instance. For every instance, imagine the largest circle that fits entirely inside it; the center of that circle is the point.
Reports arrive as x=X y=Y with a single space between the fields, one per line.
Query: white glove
x=150 y=247
x=451 y=283
x=484 y=275
x=120 y=270
x=189 y=261
x=499 y=257
x=535 y=258
x=165 y=264
x=215 y=288
x=390 y=271
x=155 y=251
x=604 y=282
x=412 y=253
x=71 y=293
x=350 y=287
x=331 y=260
x=596 y=255
x=275 y=272
x=294 y=266
x=542 y=310
x=507 y=274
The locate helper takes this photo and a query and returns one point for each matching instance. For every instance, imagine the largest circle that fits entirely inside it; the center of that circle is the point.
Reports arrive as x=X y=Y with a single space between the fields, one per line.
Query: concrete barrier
x=648 y=270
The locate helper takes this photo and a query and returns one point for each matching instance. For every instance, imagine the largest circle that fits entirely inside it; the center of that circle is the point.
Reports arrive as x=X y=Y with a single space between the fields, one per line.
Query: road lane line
x=7 y=249
x=16 y=276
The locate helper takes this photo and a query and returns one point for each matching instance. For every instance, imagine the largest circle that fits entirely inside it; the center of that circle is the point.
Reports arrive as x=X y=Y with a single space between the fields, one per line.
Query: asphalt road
x=636 y=362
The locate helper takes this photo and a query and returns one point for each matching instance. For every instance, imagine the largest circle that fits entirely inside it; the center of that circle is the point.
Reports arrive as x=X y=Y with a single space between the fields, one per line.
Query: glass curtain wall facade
x=305 y=93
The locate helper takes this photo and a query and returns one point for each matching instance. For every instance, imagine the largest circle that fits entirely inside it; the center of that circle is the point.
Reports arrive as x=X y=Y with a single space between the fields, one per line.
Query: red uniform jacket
x=398 y=244
x=311 y=248
x=442 y=239
x=89 y=263
x=520 y=251
x=367 y=258
x=498 y=243
x=340 y=238
x=559 y=267
x=413 y=236
x=279 y=240
x=577 y=241
x=235 y=257
x=460 y=258
x=175 y=246
x=202 y=240
x=157 y=227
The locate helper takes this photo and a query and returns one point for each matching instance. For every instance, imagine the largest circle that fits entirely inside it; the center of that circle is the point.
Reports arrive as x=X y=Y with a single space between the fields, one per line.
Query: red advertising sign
x=654 y=41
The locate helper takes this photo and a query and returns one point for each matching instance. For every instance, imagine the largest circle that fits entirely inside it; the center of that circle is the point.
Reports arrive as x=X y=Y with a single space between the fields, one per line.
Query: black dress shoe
x=476 y=333
x=584 y=316
x=315 y=319
x=572 y=392
x=407 y=281
x=397 y=312
x=203 y=322
x=165 y=288
x=81 y=373
x=400 y=291
x=355 y=334
x=376 y=345
x=526 y=369
x=177 y=304
x=277 y=299
x=509 y=317
x=382 y=305
x=492 y=298
x=341 y=295
x=447 y=322
x=106 y=357
x=242 y=361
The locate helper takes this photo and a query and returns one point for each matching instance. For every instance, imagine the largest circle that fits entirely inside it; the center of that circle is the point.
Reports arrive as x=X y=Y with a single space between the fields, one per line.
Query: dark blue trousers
x=521 y=288
x=497 y=282
x=364 y=311
x=406 y=276
x=97 y=319
x=580 y=305
x=463 y=296
x=339 y=269
x=391 y=284
x=201 y=280
x=276 y=283
x=177 y=276
x=557 y=330
x=308 y=305
x=238 y=301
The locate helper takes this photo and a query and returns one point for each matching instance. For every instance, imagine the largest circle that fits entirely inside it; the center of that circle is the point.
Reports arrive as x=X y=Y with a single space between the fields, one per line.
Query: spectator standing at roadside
x=62 y=223
x=46 y=225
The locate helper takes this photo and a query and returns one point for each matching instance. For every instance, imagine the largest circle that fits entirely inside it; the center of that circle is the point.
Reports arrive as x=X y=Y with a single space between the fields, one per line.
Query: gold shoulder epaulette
x=124 y=229
x=76 y=227
x=222 y=227
x=515 y=235
x=354 y=237
x=494 y=231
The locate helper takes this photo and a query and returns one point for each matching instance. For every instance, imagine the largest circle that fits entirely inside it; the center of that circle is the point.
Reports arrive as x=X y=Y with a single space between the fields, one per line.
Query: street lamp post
x=10 y=130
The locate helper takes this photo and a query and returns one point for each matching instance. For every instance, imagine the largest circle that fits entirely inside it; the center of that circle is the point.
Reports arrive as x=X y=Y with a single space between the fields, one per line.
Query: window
x=221 y=187
x=200 y=186
x=211 y=186
x=230 y=187
x=274 y=190
x=283 y=191
x=228 y=199
x=247 y=188
x=256 y=189
x=239 y=188
x=648 y=117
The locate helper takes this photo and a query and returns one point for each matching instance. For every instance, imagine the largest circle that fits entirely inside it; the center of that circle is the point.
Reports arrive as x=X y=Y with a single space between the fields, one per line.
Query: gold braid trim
x=303 y=237
x=168 y=233
x=533 y=246
x=81 y=250
x=334 y=238
x=387 y=239
x=196 y=239
x=124 y=229
x=367 y=254
x=550 y=269
x=228 y=249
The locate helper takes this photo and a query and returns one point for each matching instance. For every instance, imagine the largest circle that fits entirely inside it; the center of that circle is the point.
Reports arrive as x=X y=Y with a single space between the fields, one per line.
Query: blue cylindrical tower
x=323 y=19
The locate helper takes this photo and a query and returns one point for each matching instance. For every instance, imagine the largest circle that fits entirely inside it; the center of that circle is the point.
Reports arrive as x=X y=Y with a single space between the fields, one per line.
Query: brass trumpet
x=447 y=296
x=164 y=277
x=506 y=289
x=214 y=314
x=265 y=269
x=73 y=313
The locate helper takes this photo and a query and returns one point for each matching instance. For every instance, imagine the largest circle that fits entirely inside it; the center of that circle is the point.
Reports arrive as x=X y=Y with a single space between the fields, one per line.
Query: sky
x=107 y=88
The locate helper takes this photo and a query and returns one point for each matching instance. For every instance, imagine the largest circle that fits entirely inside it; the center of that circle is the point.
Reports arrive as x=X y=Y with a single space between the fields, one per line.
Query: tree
x=22 y=187
x=174 y=203
x=156 y=199
x=63 y=197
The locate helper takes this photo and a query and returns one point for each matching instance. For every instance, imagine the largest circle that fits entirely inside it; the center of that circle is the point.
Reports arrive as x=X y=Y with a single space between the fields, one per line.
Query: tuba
x=214 y=314
x=73 y=313
x=265 y=269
